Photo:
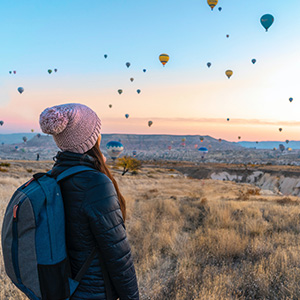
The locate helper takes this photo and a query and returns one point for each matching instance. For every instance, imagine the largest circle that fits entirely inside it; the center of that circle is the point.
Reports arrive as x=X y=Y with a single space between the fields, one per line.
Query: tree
x=129 y=164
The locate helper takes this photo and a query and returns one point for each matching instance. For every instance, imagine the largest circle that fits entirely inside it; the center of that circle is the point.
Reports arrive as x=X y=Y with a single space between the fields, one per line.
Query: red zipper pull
x=15 y=209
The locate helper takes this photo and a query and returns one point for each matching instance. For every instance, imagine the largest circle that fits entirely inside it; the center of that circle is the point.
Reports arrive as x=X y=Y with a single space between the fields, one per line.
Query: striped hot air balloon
x=164 y=58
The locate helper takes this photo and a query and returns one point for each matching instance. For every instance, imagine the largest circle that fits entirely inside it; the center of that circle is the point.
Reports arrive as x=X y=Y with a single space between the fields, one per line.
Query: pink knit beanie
x=75 y=127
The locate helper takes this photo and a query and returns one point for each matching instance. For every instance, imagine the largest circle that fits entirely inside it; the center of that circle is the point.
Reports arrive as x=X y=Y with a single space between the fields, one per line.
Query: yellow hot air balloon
x=164 y=58
x=228 y=73
x=212 y=3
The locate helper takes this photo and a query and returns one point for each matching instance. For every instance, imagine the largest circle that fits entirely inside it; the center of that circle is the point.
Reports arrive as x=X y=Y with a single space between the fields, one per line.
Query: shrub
x=4 y=164
x=129 y=164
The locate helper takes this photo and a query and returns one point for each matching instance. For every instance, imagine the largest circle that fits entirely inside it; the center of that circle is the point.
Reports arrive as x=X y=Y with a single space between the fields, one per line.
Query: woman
x=94 y=207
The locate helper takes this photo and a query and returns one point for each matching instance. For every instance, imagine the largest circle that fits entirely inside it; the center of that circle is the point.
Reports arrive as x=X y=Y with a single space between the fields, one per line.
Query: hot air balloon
x=49 y=71
x=170 y=148
x=20 y=90
x=203 y=151
x=38 y=135
x=138 y=91
x=228 y=73
x=220 y=140
x=32 y=130
x=55 y=70
x=183 y=139
x=1 y=123
x=212 y=3
x=24 y=139
x=266 y=21
x=289 y=149
x=287 y=141
x=120 y=91
x=195 y=146
x=150 y=123
x=131 y=79
x=164 y=58
x=105 y=55
x=228 y=119
x=227 y=35
x=126 y=116
x=10 y=72
x=209 y=64
x=256 y=142
x=15 y=72
x=239 y=137
x=291 y=99
x=16 y=147
x=114 y=149
x=134 y=153
x=220 y=8
x=281 y=147
x=280 y=129
x=253 y=60
x=201 y=139
x=182 y=144
x=110 y=106
x=128 y=64
x=144 y=70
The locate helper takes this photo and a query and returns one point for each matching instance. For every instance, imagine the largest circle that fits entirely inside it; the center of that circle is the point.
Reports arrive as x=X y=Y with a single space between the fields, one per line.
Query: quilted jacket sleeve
x=103 y=211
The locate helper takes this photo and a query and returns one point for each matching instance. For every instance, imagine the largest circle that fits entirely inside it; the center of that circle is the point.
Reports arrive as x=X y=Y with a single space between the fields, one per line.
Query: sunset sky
x=185 y=96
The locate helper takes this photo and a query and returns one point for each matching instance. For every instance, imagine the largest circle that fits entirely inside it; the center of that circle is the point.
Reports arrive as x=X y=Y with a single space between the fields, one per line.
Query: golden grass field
x=196 y=239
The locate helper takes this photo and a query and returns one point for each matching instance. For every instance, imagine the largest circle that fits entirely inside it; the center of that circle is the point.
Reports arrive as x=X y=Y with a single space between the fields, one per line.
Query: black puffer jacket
x=94 y=218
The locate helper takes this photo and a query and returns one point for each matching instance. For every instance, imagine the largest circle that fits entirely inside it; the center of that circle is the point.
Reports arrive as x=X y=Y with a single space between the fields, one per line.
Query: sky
x=184 y=97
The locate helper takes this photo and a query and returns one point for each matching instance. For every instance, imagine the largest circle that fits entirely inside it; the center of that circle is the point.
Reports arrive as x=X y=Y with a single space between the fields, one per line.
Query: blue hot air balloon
x=209 y=64
x=114 y=149
x=1 y=123
x=134 y=153
x=220 y=8
x=138 y=91
x=126 y=116
x=253 y=60
x=228 y=119
x=20 y=90
x=144 y=70
x=203 y=151
x=127 y=64
x=105 y=55
x=281 y=147
x=266 y=21
x=291 y=99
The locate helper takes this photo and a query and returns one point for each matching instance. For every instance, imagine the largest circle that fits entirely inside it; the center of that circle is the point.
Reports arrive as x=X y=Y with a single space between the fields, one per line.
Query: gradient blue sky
x=185 y=97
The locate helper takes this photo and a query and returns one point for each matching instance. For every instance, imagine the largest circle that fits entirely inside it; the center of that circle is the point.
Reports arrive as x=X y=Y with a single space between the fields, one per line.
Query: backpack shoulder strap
x=72 y=171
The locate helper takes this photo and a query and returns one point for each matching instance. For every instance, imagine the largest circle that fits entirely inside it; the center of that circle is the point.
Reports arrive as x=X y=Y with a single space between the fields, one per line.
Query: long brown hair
x=100 y=165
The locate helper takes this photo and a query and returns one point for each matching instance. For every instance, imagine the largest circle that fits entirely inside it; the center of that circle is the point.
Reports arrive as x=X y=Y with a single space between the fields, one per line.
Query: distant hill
x=150 y=142
x=146 y=142
x=14 y=138
x=270 y=144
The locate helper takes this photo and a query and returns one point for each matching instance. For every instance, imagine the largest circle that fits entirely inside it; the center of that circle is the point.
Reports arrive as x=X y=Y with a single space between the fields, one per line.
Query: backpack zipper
x=50 y=244
x=15 y=245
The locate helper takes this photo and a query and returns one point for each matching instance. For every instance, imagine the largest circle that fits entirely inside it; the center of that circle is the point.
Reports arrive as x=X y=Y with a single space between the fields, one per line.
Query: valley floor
x=196 y=238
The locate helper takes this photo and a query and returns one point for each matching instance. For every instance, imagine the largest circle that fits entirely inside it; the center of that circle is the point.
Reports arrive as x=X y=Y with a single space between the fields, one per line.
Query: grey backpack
x=33 y=239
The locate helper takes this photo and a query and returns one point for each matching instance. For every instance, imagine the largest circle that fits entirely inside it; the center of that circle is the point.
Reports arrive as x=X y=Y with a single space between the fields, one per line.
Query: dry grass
x=202 y=239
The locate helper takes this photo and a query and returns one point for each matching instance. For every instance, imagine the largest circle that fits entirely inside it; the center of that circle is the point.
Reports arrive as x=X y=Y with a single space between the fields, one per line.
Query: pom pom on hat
x=54 y=120
x=75 y=127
